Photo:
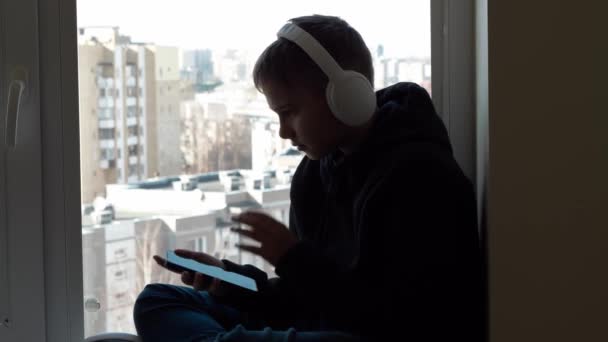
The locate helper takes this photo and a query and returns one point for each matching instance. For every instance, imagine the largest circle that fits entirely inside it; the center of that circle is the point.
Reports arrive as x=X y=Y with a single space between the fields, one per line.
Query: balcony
x=131 y=101
x=105 y=82
x=107 y=124
x=105 y=114
x=107 y=164
x=107 y=143
x=106 y=102
x=131 y=121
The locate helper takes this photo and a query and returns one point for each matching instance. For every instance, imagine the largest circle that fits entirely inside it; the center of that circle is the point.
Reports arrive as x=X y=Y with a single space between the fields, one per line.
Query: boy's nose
x=285 y=131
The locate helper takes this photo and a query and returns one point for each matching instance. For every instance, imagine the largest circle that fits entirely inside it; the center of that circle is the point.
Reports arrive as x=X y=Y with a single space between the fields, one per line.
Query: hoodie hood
x=405 y=115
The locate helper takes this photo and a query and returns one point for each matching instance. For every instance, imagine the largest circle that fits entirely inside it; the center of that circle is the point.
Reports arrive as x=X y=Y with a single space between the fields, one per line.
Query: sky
x=402 y=26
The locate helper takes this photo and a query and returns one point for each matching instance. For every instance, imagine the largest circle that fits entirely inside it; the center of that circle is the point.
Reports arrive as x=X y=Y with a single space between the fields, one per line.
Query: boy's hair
x=286 y=62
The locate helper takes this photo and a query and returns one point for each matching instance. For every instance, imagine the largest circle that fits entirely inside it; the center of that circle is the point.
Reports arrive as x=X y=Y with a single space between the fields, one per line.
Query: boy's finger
x=246 y=232
x=187 y=278
x=213 y=286
x=163 y=263
x=200 y=257
x=256 y=220
x=201 y=282
x=160 y=261
x=184 y=253
x=208 y=259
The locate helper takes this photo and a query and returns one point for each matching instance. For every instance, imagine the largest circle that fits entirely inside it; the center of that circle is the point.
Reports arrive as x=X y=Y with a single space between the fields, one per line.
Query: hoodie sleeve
x=276 y=301
x=418 y=268
x=274 y=304
x=241 y=298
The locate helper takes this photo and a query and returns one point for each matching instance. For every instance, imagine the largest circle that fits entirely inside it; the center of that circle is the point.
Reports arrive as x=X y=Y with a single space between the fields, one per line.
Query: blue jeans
x=177 y=313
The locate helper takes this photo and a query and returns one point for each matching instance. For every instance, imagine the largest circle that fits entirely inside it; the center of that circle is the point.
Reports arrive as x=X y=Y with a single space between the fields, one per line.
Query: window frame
x=452 y=68
x=61 y=176
x=453 y=76
x=22 y=276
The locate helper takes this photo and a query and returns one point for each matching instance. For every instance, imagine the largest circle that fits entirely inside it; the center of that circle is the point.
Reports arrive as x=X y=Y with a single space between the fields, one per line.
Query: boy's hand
x=198 y=281
x=275 y=237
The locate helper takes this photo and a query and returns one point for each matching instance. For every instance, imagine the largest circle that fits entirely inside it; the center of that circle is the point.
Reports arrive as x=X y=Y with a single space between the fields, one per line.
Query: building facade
x=130 y=96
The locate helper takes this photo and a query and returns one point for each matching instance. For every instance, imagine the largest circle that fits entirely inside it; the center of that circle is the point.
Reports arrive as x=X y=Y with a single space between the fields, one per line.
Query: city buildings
x=129 y=103
x=122 y=232
x=389 y=70
x=170 y=149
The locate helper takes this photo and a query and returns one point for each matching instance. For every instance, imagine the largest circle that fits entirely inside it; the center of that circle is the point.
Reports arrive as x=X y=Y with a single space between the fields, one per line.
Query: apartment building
x=212 y=139
x=129 y=104
x=134 y=222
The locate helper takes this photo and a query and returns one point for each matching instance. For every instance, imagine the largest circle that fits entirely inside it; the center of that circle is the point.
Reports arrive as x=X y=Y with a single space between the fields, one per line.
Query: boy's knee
x=154 y=290
x=150 y=297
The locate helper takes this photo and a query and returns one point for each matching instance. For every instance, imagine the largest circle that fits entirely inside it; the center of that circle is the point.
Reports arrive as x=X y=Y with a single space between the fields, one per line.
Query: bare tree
x=153 y=237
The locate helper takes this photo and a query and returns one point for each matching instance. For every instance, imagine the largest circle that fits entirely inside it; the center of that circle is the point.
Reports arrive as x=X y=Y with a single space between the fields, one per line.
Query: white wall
x=167 y=59
x=548 y=170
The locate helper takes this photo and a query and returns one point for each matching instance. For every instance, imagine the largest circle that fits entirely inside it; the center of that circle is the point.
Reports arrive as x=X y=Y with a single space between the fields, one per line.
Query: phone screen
x=175 y=262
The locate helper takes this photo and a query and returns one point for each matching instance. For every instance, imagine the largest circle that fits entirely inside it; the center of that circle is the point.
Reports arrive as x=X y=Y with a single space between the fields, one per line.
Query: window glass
x=191 y=141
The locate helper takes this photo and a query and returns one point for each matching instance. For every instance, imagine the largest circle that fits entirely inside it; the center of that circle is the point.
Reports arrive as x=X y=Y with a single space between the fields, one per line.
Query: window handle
x=15 y=93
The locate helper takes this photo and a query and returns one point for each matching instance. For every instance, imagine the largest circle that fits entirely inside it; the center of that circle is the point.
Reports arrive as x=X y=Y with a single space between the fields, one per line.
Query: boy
x=382 y=240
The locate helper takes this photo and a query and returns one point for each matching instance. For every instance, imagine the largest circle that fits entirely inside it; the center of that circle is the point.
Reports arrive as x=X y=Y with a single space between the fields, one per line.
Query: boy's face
x=305 y=118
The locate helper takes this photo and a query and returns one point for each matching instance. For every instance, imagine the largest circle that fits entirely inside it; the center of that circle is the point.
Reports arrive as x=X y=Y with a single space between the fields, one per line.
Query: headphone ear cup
x=351 y=98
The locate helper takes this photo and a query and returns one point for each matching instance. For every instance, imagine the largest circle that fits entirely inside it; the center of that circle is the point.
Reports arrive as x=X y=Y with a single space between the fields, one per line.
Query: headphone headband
x=349 y=94
x=312 y=48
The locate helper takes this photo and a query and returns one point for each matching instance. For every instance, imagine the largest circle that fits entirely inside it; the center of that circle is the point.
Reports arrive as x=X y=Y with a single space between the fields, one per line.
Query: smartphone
x=175 y=262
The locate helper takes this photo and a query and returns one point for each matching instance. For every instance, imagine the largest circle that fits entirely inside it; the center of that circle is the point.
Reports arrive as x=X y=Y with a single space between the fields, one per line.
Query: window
x=119 y=274
x=132 y=91
x=131 y=111
x=200 y=244
x=131 y=70
x=132 y=170
x=207 y=153
x=120 y=253
x=106 y=133
x=133 y=151
x=132 y=131
x=106 y=113
x=107 y=154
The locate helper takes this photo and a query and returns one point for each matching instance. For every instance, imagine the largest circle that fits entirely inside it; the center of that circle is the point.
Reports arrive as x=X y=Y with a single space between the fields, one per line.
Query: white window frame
x=453 y=93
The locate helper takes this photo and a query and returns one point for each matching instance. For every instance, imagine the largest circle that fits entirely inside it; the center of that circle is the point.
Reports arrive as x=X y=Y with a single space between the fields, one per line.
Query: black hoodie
x=388 y=237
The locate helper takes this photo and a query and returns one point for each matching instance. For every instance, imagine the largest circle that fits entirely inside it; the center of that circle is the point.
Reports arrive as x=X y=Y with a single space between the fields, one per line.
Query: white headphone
x=349 y=94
